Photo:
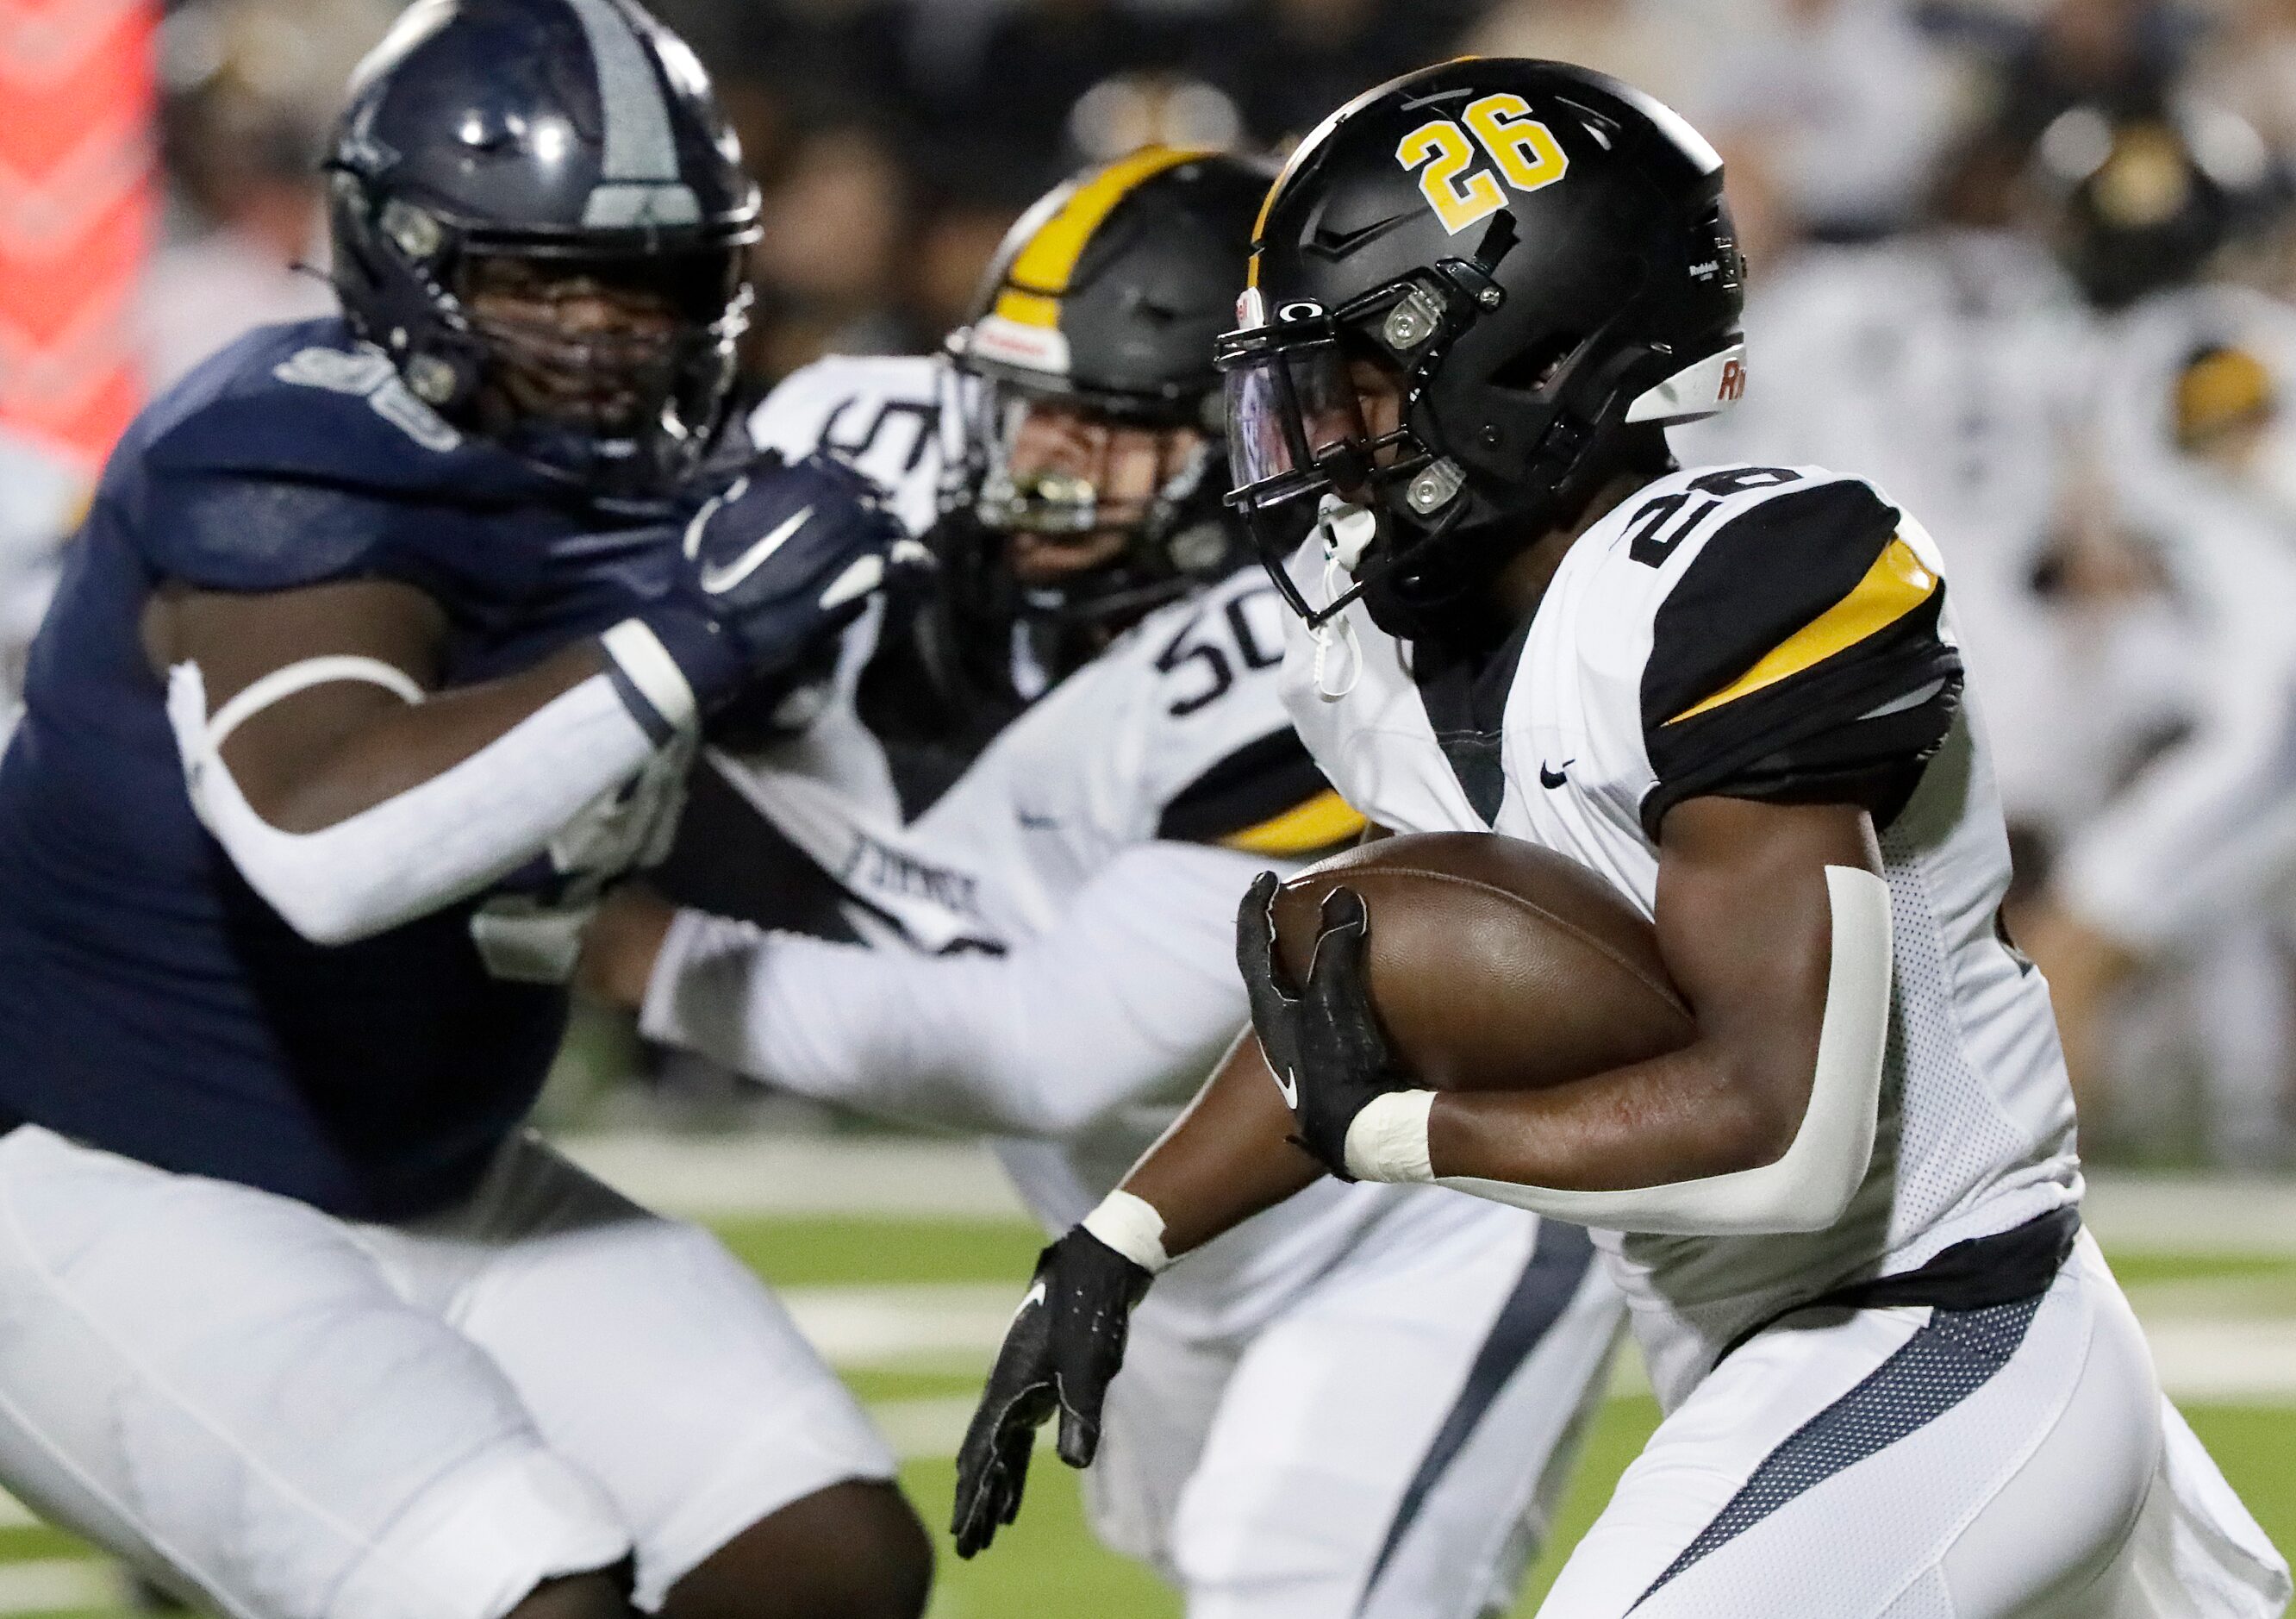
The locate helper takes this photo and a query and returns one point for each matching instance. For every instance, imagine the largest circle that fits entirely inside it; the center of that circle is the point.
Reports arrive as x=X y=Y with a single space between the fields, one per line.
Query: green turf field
x=1047 y=1563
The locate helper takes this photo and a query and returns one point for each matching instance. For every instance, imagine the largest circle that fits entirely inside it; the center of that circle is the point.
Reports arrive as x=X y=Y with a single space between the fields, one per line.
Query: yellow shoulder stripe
x=1319 y=823
x=1897 y=583
x=2219 y=389
x=1040 y=272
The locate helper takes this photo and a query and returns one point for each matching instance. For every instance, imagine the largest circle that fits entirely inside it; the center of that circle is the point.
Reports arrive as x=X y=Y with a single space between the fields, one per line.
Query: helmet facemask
x=1300 y=433
x=612 y=368
x=1495 y=424
x=1094 y=511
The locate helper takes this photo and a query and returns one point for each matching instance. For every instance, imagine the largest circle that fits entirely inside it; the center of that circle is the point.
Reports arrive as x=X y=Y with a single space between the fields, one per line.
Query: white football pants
x=286 y=1416
x=1920 y=1464
x=1389 y=1444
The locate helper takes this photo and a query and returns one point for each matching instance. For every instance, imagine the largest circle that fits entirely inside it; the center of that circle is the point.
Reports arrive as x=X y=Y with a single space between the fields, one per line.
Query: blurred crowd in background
x=2021 y=261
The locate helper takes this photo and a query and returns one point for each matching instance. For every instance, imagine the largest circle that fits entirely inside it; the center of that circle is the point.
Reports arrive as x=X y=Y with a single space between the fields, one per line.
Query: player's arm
x=1749 y=925
x=354 y=795
x=1130 y=986
x=1774 y=925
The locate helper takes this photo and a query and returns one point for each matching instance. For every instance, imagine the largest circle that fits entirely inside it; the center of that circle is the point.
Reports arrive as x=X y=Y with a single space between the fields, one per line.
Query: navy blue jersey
x=149 y=1002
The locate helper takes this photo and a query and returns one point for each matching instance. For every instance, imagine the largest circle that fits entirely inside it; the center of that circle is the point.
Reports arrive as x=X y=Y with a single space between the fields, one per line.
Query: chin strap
x=1347 y=531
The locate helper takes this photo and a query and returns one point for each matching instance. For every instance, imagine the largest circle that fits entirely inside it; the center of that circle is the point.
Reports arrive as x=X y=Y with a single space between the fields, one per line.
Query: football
x=1494 y=964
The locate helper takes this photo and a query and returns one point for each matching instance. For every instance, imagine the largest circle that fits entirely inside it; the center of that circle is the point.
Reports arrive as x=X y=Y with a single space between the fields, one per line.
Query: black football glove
x=1325 y=1046
x=1063 y=1349
x=773 y=568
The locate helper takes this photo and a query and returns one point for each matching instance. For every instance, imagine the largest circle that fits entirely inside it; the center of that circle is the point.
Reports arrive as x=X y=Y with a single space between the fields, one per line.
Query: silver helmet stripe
x=639 y=184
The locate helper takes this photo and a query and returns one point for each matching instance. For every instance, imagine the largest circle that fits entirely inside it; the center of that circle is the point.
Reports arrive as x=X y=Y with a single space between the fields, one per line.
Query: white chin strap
x=1806 y=1189
x=1346 y=531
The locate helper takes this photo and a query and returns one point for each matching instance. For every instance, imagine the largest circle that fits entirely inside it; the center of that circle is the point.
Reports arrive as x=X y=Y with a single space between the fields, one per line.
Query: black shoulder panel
x=1261 y=781
x=1762 y=575
x=1798 y=660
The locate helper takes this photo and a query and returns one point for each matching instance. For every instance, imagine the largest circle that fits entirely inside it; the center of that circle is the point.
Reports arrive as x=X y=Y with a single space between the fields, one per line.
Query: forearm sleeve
x=1806 y=1189
x=453 y=835
x=1132 y=994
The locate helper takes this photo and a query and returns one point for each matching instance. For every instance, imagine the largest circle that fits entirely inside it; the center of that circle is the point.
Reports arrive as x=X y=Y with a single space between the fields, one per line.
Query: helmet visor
x=1293 y=417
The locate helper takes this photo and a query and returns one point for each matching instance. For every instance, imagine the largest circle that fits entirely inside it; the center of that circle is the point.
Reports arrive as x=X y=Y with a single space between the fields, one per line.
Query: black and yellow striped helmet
x=1112 y=288
x=1105 y=299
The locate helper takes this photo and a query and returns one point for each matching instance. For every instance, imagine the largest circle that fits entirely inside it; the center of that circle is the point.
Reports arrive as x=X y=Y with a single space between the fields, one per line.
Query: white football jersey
x=2206 y=833
x=1763 y=632
x=1177 y=733
x=899 y=418
x=1952 y=367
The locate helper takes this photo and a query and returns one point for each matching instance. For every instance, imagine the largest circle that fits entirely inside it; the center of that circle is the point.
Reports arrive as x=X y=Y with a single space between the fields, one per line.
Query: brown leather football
x=1494 y=964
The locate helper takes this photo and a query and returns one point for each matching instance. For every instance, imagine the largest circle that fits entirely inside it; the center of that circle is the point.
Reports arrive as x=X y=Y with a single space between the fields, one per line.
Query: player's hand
x=1324 y=1045
x=773 y=568
x=1063 y=1349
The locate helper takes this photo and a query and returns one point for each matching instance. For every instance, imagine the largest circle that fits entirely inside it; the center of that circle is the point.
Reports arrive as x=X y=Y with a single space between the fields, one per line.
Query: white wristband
x=1387 y=1139
x=1132 y=1227
x=664 y=701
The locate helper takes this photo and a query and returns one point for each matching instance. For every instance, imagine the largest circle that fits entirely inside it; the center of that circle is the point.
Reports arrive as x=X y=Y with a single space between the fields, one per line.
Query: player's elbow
x=319 y=888
x=322 y=914
x=1766 y=1101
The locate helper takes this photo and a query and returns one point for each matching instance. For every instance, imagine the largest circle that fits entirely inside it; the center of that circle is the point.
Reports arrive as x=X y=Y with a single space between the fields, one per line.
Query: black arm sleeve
x=1798 y=659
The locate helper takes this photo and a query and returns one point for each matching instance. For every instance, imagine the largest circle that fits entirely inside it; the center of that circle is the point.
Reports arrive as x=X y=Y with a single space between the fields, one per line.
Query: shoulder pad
x=307 y=401
x=1771 y=561
x=1266 y=797
x=1232 y=770
x=1798 y=654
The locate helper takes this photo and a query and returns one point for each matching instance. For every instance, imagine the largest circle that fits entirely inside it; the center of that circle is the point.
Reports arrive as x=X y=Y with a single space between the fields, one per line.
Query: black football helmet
x=2138 y=202
x=574 y=132
x=1542 y=254
x=1107 y=295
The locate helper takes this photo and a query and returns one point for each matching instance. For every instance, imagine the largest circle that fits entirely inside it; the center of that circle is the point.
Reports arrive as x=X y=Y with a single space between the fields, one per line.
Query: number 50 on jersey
x=1524 y=151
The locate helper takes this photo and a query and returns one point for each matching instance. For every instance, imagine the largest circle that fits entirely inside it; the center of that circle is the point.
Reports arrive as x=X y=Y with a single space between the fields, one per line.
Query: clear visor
x=1288 y=409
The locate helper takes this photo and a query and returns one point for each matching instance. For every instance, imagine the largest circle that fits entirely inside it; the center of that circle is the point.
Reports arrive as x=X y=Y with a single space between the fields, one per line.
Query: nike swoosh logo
x=1290 y=1087
x=1554 y=778
x=1035 y=1295
x=717 y=582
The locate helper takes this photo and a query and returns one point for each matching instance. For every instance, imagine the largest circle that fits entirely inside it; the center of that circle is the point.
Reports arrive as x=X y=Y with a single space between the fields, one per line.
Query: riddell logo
x=1733 y=382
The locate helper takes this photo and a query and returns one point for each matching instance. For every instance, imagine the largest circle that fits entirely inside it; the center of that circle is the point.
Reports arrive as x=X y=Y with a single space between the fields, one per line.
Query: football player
x=385 y=644
x=1898 y=1379
x=1363 y=1403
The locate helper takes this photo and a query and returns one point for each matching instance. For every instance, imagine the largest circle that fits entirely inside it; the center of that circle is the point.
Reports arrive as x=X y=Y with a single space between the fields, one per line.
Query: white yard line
x=924 y=1430
x=2230 y=1361
x=725 y=1177
x=900 y=1325
x=2143 y=1213
x=60 y=1585
x=958 y=1326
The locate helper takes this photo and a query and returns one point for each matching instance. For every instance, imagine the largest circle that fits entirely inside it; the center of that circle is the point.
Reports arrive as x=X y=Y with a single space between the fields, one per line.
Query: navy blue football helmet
x=580 y=137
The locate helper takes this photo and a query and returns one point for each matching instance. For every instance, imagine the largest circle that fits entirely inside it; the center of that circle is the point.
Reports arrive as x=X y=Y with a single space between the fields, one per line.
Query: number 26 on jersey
x=1523 y=149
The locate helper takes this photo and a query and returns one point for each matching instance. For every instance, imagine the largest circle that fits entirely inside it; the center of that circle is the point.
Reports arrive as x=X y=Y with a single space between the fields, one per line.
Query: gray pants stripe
x=1559 y=1261
x=1933 y=1371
